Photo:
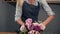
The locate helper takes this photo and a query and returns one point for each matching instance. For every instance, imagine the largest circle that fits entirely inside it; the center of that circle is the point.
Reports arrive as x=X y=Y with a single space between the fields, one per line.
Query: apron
x=30 y=11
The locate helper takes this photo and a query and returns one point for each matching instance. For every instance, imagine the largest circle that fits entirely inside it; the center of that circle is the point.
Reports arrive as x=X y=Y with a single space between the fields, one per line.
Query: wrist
x=22 y=24
x=44 y=23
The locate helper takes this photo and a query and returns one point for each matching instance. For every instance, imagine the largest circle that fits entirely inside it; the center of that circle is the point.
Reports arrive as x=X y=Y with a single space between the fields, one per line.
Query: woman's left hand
x=41 y=25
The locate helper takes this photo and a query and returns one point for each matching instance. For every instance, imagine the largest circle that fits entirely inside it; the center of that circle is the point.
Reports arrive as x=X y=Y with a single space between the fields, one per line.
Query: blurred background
x=7 y=14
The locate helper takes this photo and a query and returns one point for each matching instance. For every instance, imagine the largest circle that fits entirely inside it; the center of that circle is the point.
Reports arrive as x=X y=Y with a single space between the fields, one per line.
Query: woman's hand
x=42 y=26
x=23 y=28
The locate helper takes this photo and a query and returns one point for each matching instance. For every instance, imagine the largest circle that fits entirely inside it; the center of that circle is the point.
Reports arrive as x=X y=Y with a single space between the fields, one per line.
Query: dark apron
x=30 y=11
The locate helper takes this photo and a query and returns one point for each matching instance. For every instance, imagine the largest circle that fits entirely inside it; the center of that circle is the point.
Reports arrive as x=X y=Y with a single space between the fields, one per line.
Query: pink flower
x=29 y=24
x=32 y=26
x=28 y=21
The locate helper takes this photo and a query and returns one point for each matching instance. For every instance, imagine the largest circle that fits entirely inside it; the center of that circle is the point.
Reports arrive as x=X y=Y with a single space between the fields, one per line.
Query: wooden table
x=8 y=33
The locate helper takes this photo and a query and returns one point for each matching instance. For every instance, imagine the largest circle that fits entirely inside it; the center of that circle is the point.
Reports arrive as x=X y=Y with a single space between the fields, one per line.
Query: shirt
x=43 y=3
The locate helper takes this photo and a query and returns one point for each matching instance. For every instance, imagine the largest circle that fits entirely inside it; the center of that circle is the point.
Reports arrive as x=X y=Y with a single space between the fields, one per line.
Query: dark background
x=7 y=12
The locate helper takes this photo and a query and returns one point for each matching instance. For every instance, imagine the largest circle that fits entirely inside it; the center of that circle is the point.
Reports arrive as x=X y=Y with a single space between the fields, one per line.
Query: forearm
x=20 y=22
x=19 y=12
x=48 y=20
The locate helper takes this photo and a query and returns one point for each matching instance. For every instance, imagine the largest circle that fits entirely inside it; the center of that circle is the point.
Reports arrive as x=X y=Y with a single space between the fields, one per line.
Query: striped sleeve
x=46 y=7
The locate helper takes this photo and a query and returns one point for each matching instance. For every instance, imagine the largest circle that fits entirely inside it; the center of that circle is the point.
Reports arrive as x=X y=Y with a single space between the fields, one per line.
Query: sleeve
x=18 y=12
x=46 y=7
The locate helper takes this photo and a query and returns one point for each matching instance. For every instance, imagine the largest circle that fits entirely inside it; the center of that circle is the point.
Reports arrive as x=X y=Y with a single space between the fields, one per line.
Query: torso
x=30 y=11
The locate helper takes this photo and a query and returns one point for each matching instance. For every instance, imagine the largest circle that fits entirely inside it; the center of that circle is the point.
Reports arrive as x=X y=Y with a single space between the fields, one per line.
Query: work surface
x=43 y=32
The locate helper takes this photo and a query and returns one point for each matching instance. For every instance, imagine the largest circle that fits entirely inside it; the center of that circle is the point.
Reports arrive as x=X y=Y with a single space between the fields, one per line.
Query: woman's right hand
x=23 y=28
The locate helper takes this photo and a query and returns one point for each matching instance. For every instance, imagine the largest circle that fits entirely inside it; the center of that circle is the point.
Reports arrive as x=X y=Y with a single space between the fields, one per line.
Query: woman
x=30 y=9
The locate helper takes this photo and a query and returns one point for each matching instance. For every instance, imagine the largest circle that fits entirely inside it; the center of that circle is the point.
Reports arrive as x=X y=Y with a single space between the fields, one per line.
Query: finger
x=37 y=32
x=30 y=32
x=33 y=31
